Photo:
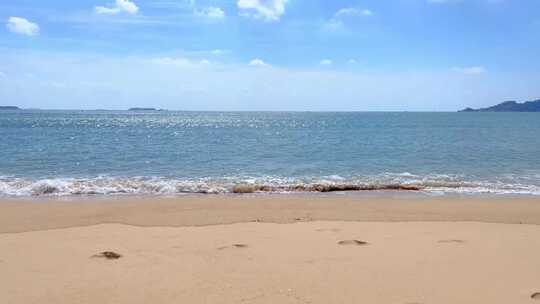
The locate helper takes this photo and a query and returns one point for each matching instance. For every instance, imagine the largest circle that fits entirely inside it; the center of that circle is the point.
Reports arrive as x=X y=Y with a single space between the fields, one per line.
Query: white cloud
x=336 y=23
x=326 y=62
x=351 y=61
x=119 y=6
x=22 y=26
x=352 y=11
x=258 y=63
x=269 y=10
x=473 y=70
x=211 y=12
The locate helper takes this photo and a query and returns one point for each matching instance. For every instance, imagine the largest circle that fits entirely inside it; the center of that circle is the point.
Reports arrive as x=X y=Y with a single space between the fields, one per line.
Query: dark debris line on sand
x=109 y=255
x=233 y=246
x=240 y=245
x=247 y=188
x=353 y=242
x=451 y=241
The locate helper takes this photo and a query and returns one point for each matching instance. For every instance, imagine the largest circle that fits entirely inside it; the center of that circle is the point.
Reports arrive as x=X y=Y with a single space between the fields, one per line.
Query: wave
x=437 y=184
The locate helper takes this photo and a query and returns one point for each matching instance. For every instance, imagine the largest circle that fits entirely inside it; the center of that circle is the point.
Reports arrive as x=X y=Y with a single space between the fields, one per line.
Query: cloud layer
x=193 y=83
x=22 y=26
x=211 y=12
x=269 y=10
x=353 y=11
x=120 y=6
x=258 y=63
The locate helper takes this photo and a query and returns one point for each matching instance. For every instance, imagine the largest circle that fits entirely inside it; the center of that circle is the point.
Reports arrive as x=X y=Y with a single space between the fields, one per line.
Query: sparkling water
x=121 y=152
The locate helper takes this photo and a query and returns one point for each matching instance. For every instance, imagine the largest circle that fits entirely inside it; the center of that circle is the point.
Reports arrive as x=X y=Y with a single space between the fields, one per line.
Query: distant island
x=9 y=108
x=145 y=109
x=510 y=106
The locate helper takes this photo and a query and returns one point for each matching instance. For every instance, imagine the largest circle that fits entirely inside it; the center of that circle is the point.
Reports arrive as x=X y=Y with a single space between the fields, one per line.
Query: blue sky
x=269 y=54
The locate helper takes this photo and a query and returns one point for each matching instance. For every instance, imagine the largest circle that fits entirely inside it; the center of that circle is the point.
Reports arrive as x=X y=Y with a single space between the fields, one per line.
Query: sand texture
x=278 y=259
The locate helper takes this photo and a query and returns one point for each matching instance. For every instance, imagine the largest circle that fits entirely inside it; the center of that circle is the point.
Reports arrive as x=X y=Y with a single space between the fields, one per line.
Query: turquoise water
x=106 y=152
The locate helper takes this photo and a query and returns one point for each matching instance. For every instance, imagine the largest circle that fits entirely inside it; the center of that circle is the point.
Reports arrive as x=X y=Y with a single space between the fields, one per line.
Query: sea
x=102 y=153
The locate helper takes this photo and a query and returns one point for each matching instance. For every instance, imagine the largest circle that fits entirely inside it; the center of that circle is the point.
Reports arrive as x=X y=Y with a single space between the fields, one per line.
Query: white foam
x=102 y=185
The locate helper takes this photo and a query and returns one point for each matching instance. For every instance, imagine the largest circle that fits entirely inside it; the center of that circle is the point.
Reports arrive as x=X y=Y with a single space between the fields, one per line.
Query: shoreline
x=434 y=184
x=24 y=214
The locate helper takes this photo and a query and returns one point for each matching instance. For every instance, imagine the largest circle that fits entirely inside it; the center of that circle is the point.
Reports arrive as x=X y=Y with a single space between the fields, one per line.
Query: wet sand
x=40 y=214
x=271 y=249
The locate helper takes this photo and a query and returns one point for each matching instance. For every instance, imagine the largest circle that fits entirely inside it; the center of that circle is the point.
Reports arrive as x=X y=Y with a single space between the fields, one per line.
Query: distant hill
x=143 y=109
x=9 y=108
x=510 y=106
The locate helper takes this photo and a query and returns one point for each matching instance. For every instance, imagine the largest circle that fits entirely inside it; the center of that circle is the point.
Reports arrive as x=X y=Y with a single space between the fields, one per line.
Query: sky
x=278 y=55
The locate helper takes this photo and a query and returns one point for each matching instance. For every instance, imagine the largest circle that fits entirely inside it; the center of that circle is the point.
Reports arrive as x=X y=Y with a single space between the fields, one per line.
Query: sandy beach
x=271 y=249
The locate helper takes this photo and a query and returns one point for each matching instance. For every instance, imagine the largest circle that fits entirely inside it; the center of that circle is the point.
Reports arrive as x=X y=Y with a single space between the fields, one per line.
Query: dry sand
x=303 y=249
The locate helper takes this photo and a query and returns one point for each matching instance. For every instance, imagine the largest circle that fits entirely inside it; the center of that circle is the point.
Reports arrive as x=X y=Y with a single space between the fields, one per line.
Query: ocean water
x=50 y=153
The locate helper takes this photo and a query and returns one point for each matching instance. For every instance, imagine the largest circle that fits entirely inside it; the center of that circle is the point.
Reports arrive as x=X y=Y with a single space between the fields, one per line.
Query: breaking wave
x=438 y=184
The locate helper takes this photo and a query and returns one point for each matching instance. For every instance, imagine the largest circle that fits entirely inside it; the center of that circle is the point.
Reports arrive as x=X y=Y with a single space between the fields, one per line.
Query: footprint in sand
x=109 y=255
x=353 y=242
x=535 y=296
x=452 y=241
x=233 y=246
